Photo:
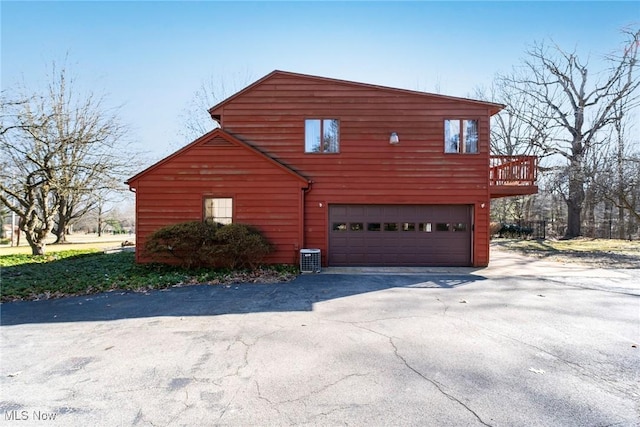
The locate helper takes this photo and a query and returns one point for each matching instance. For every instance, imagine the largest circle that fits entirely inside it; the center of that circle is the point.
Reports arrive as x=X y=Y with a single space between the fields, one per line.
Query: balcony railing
x=513 y=175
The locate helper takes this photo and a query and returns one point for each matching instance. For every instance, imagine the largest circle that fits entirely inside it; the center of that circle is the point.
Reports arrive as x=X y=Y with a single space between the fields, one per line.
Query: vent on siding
x=218 y=141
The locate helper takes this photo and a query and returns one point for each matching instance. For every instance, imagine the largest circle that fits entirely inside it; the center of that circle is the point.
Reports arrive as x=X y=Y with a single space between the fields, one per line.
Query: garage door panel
x=399 y=235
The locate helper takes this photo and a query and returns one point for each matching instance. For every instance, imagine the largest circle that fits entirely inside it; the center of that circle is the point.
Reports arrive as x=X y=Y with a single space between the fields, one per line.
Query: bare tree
x=627 y=168
x=618 y=180
x=60 y=147
x=570 y=110
x=27 y=171
x=92 y=159
x=195 y=118
x=511 y=136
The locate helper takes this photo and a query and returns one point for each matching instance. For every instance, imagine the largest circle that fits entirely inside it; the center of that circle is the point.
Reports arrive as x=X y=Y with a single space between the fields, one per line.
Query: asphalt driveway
x=519 y=343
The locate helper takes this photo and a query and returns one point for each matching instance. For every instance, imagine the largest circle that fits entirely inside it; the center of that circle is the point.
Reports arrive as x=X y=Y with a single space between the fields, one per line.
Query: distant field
x=76 y=242
x=598 y=252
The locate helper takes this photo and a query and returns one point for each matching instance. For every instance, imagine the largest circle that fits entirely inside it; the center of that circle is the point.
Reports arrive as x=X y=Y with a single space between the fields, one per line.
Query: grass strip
x=81 y=272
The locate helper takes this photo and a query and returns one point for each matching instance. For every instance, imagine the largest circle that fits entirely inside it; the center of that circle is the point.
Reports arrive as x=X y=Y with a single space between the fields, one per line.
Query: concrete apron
x=502 y=264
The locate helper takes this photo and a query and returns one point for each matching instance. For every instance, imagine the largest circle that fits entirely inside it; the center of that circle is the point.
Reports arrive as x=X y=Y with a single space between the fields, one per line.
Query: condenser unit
x=310 y=260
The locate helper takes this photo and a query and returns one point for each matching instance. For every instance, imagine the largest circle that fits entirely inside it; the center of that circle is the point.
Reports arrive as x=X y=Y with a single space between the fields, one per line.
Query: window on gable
x=321 y=136
x=218 y=210
x=460 y=136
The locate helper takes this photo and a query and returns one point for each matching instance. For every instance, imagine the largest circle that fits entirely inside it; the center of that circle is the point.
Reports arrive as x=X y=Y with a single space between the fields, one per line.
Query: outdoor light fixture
x=393 y=139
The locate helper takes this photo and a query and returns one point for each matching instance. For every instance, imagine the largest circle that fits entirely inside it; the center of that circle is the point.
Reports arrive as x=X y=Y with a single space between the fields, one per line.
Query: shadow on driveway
x=211 y=300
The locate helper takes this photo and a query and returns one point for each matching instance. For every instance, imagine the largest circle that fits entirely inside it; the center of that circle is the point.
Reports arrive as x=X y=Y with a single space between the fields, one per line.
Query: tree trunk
x=590 y=219
x=574 y=210
x=99 y=221
x=575 y=199
x=19 y=232
x=61 y=229
x=37 y=245
x=607 y=228
x=621 y=223
x=632 y=226
x=61 y=236
x=36 y=233
x=621 y=179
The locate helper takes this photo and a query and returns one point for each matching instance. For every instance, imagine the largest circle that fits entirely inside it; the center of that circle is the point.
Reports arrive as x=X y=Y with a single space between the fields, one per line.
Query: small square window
x=356 y=226
x=321 y=136
x=218 y=210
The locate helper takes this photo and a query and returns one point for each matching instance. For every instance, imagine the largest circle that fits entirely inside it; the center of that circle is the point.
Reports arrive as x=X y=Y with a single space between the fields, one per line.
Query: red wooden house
x=370 y=175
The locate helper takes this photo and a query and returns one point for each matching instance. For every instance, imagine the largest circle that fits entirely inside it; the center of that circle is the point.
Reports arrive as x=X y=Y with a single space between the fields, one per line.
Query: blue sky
x=150 y=57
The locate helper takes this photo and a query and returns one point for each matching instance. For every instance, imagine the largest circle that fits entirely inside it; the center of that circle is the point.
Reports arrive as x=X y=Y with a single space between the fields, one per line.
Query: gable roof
x=215 y=114
x=229 y=138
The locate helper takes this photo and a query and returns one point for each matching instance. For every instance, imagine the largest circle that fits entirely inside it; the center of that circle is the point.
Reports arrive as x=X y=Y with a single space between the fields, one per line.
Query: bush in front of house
x=241 y=246
x=189 y=244
x=207 y=244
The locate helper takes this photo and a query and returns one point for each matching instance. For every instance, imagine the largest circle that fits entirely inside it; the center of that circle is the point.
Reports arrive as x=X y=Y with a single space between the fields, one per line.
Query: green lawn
x=86 y=271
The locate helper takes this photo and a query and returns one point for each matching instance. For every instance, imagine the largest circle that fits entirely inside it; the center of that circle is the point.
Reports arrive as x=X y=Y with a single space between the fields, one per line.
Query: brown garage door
x=399 y=235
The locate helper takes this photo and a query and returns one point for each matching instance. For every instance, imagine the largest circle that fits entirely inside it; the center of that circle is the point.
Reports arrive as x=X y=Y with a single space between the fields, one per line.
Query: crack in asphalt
x=272 y=404
x=331 y=411
x=591 y=288
x=245 y=363
x=436 y=384
x=312 y=393
x=134 y=390
x=183 y=410
x=578 y=368
x=224 y=410
x=140 y=417
x=245 y=357
x=380 y=319
x=446 y=307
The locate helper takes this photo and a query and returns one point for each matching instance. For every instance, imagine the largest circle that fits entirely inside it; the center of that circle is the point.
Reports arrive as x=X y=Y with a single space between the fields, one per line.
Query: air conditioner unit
x=310 y=260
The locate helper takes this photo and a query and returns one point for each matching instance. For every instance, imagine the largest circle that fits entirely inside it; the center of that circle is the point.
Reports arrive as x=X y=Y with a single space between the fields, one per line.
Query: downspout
x=133 y=190
x=302 y=212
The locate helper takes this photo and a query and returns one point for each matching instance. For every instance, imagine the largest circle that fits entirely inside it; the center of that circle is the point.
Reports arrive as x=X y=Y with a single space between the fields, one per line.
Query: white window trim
x=220 y=214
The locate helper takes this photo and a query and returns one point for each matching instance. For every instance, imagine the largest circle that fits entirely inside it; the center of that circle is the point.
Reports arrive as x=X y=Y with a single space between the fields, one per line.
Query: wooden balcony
x=513 y=176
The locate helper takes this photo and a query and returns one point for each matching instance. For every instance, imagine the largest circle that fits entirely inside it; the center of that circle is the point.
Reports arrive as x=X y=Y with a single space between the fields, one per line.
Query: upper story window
x=460 y=136
x=219 y=210
x=321 y=136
